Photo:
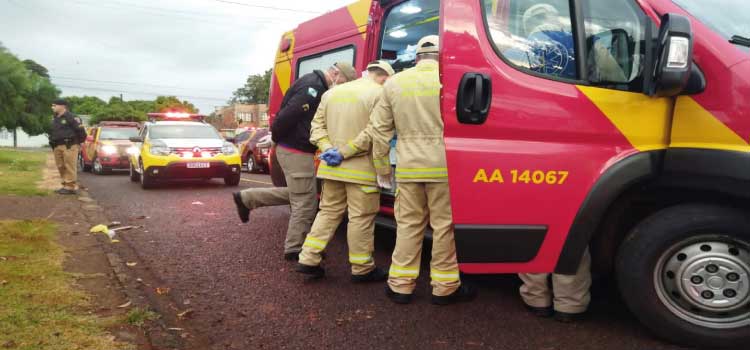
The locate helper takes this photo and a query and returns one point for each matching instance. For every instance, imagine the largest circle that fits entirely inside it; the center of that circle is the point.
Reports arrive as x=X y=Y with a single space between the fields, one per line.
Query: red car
x=254 y=156
x=108 y=146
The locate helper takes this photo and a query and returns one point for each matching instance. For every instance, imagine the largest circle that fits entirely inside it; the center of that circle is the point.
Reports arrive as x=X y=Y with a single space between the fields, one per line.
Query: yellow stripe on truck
x=643 y=120
x=283 y=67
x=360 y=12
x=695 y=127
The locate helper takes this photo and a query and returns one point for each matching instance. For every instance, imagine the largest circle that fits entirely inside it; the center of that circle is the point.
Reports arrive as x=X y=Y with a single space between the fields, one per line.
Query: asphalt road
x=245 y=296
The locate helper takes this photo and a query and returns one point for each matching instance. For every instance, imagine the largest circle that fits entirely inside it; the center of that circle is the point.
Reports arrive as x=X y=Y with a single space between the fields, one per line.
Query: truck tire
x=277 y=174
x=232 y=180
x=134 y=175
x=685 y=273
x=252 y=167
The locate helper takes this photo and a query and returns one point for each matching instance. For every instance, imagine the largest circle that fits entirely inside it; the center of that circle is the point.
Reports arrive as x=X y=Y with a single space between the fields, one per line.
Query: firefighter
x=410 y=106
x=567 y=300
x=291 y=133
x=65 y=137
x=349 y=178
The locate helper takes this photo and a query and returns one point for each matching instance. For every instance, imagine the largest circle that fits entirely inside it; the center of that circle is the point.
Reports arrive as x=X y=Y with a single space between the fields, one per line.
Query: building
x=22 y=139
x=242 y=115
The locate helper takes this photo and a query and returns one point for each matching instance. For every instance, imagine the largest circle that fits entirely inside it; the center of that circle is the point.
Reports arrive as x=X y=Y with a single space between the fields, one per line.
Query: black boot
x=313 y=271
x=376 y=275
x=462 y=294
x=242 y=210
x=293 y=256
x=398 y=298
x=540 y=311
x=565 y=317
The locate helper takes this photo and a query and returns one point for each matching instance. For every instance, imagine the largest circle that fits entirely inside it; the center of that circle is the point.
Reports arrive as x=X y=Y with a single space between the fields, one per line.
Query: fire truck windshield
x=729 y=18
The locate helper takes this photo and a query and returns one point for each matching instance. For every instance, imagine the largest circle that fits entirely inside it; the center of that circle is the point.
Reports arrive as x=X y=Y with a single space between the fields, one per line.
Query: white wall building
x=24 y=140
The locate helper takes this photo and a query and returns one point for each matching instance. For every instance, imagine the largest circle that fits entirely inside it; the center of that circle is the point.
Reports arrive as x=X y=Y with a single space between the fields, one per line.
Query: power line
x=131 y=83
x=143 y=93
x=268 y=7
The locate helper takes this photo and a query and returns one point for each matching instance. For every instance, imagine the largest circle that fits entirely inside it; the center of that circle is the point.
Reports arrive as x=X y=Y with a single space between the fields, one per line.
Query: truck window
x=727 y=18
x=534 y=35
x=615 y=47
x=323 y=61
x=405 y=24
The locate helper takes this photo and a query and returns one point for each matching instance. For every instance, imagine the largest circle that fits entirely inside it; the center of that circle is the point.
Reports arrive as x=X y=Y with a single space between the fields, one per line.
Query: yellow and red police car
x=182 y=146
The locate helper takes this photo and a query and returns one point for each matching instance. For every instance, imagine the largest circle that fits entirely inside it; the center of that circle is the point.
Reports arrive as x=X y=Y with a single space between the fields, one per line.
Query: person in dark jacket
x=65 y=137
x=290 y=131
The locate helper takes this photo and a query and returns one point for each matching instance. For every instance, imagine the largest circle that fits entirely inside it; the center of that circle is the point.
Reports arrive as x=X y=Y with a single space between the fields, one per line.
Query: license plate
x=198 y=165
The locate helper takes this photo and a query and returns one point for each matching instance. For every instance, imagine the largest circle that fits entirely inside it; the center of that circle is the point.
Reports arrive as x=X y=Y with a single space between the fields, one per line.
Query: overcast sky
x=199 y=50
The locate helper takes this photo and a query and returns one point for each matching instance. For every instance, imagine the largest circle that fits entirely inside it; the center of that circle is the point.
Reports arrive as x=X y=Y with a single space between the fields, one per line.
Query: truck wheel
x=146 y=180
x=134 y=175
x=685 y=273
x=232 y=180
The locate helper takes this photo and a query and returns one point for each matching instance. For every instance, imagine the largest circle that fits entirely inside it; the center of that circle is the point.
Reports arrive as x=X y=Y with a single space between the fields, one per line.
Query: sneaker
x=565 y=317
x=242 y=210
x=376 y=275
x=59 y=190
x=398 y=298
x=313 y=271
x=540 y=311
x=464 y=293
x=293 y=256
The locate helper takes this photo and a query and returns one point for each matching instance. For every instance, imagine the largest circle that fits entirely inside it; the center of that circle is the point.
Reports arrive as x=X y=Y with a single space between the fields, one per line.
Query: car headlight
x=132 y=150
x=159 y=149
x=108 y=149
x=228 y=148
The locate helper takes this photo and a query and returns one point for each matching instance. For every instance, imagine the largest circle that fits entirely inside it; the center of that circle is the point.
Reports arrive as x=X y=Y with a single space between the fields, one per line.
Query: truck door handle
x=474 y=98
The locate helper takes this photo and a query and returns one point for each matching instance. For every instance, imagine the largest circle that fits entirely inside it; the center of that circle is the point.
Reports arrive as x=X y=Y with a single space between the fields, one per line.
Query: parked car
x=182 y=146
x=107 y=147
x=252 y=157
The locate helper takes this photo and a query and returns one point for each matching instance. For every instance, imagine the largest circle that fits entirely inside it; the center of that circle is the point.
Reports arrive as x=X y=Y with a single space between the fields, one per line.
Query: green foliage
x=25 y=94
x=138 y=316
x=37 y=68
x=171 y=103
x=118 y=111
x=85 y=105
x=255 y=91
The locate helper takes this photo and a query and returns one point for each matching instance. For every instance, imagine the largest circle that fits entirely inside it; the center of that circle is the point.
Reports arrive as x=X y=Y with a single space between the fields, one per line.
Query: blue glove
x=332 y=157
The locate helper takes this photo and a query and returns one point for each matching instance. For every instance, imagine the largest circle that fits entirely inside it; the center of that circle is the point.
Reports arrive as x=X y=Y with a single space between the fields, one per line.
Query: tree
x=171 y=103
x=25 y=96
x=117 y=110
x=86 y=105
x=255 y=90
x=37 y=68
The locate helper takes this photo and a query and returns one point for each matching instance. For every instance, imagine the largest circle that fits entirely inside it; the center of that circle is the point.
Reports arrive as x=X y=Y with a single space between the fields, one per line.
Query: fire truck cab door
x=532 y=121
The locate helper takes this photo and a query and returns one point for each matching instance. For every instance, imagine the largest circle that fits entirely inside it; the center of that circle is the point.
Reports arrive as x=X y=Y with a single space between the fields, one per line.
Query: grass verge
x=39 y=308
x=20 y=172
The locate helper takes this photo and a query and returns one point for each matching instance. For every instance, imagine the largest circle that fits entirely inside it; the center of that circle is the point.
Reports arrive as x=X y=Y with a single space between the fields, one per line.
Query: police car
x=181 y=146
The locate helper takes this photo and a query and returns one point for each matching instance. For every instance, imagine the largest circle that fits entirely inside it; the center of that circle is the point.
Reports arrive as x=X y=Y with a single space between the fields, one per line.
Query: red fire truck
x=619 y=125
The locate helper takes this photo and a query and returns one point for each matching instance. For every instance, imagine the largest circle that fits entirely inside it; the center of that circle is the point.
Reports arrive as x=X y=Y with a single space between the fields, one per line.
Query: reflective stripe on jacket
x=343 y=113
x=410 y=107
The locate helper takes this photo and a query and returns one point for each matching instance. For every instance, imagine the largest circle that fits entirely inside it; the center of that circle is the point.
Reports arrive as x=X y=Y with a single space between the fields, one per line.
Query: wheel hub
x=713 y=286
x=707 y=282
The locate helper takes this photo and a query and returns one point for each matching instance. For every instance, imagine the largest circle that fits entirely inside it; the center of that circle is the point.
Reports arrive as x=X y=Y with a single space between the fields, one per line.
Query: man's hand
x=384 y=181
x=332 y=157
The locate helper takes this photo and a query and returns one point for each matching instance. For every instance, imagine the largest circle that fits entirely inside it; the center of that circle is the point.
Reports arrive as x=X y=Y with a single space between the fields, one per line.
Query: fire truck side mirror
x=136 y=139
x=674 y=56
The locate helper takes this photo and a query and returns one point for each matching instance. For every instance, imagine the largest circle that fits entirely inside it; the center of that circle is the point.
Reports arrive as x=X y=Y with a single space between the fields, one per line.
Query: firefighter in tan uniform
x=410 y=106
x=349 y=178
x=568 y=298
